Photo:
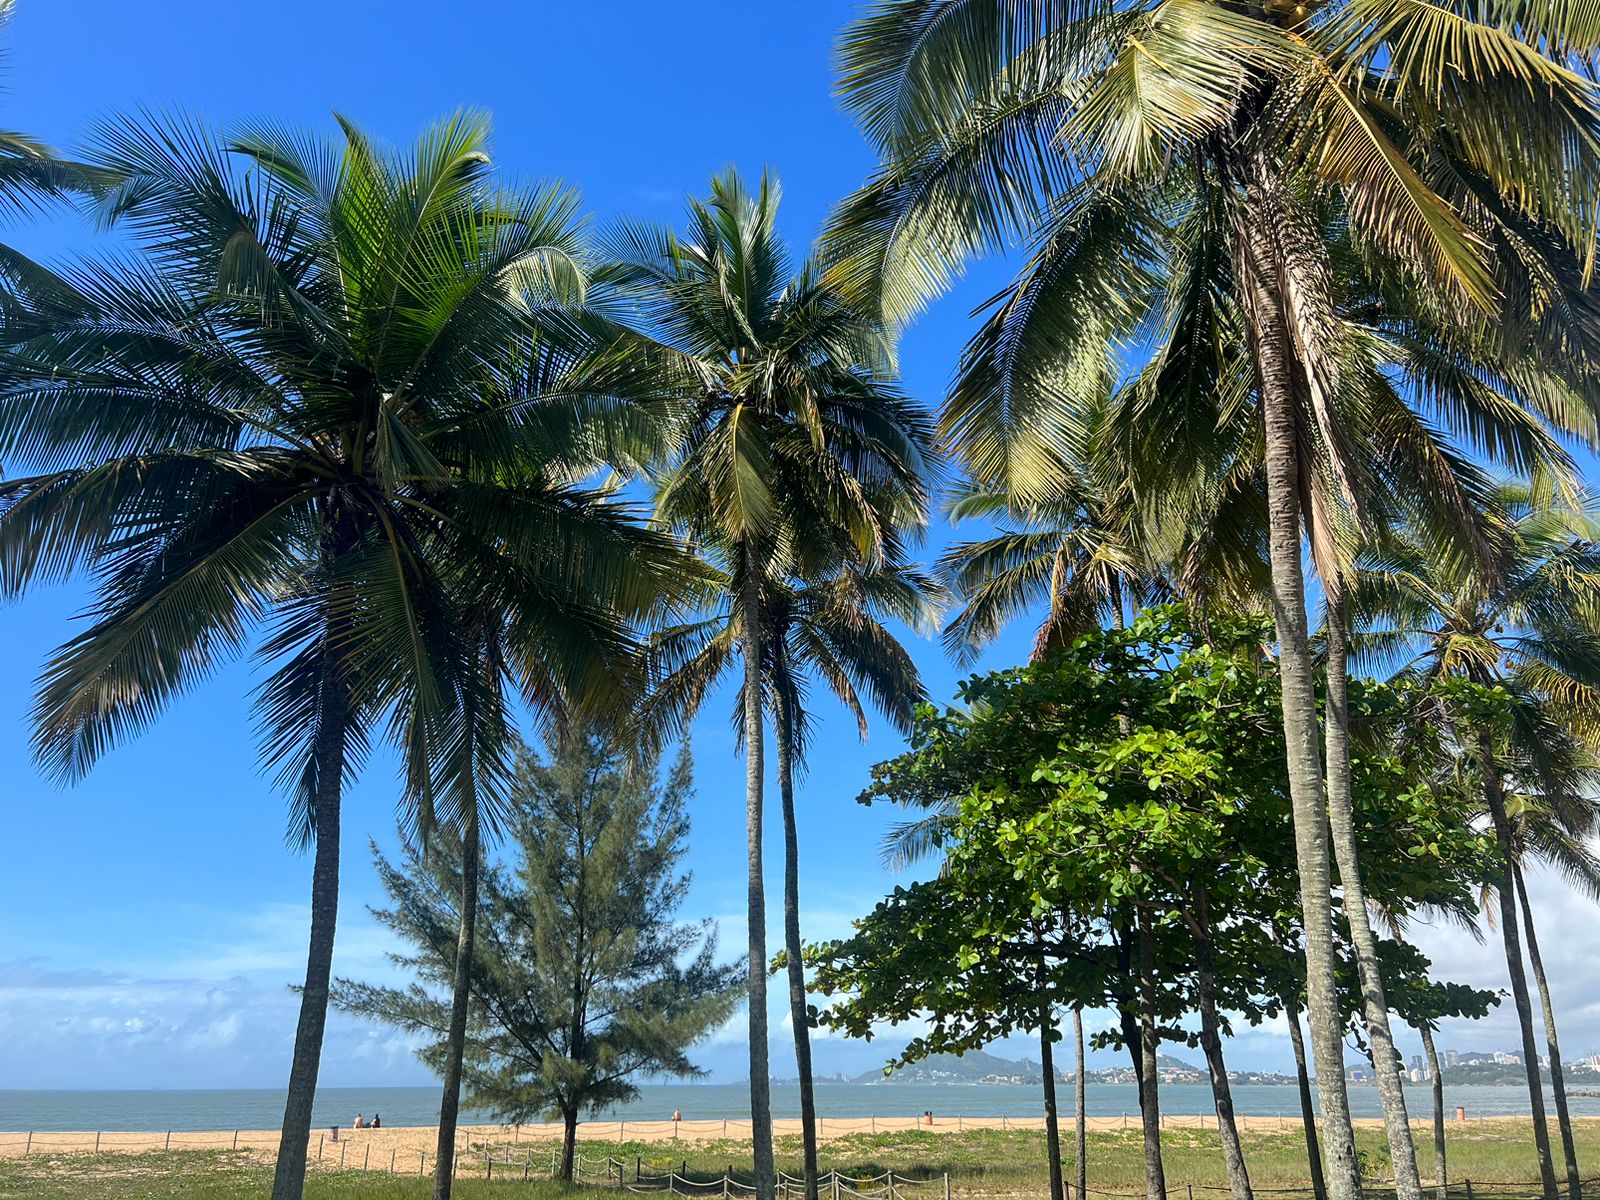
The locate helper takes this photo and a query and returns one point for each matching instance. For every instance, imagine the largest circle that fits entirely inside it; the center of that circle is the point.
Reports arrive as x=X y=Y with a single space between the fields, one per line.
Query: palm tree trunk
x=798 y=1013
x=1080 y=1127
x=1052 y=1117
x=1155 y=1174
x=1558 y=1084
x=1260 y=277
x=1205 y=966
x=1441 y=1164
x=289 y=1175
x=461 y=995
x=1341 y=820
x=1308 y=1113
x=755 y=778
x=569 y=1142
x=1494 y=800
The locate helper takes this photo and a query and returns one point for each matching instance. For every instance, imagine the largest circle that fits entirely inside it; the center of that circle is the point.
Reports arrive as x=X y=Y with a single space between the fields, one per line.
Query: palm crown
x=341 y=404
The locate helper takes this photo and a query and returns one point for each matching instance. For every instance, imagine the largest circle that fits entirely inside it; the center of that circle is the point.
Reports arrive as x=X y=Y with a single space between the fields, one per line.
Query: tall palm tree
x=800 y=454
x=297 y=419
x=1191 y=140
x=1533 y=628
x=829 y=629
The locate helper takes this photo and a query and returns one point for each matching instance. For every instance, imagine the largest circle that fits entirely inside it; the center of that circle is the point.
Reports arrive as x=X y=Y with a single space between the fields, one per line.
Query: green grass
x=981 y=1164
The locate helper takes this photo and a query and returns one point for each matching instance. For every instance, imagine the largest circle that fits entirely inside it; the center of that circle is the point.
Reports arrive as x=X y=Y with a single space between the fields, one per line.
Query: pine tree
x=583 y=977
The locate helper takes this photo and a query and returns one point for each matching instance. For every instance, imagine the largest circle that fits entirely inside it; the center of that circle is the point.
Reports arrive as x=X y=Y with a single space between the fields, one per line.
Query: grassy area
x=981 y=1163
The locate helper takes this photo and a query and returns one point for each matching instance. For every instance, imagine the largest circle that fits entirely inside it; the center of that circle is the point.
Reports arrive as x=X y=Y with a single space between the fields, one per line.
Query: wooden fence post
x=889 y=1179
x=488 y=1166
x=422 y=1157
x=366 y=1159
x=29 y=1145
x=947 y=1185
x=320 y=1136
x=343 y=1146
x=235 y=1139
x=1469 y=1189
x=168 y=1146
x=97 y=1142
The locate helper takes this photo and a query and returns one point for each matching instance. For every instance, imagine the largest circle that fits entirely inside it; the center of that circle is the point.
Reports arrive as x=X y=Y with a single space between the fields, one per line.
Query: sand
x=402 y=1146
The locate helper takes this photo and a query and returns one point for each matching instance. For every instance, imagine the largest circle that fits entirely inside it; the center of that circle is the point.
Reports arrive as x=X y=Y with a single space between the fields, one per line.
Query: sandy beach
x=400 y=1148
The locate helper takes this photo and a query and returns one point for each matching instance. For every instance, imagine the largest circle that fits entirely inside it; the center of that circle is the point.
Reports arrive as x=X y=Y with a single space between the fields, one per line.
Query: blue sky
x=151 y=916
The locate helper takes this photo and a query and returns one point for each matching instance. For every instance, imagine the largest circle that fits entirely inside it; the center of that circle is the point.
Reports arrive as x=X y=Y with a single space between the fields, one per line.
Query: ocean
x=44 y=1111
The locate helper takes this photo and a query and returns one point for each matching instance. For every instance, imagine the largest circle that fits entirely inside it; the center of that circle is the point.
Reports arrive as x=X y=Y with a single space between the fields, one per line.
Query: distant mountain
x=975 y=1066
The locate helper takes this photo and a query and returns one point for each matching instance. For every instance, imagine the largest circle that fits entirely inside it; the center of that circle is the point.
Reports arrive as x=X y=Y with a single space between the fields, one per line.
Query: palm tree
x=1532 y=628
x=1193 y=142
x=298 y=419
x=800 y=457
x=830 y=629
x=1082 y=556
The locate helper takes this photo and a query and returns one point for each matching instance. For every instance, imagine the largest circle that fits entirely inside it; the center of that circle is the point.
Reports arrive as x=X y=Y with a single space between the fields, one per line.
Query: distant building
x=1452 y=1058
x=1417 y=1075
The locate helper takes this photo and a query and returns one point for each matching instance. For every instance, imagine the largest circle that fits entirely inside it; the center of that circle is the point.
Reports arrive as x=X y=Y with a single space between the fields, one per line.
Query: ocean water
x=263 y=1108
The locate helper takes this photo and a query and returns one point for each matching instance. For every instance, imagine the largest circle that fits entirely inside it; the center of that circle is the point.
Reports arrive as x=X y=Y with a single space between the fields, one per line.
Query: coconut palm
x=800 y=457
x=297 y=417
x=1532 y=627
x=829 y=629
x=1197 y=142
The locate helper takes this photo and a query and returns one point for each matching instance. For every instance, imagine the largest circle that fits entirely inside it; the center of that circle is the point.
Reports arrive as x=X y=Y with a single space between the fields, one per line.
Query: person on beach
x=377 y=1121
x=360 y=1122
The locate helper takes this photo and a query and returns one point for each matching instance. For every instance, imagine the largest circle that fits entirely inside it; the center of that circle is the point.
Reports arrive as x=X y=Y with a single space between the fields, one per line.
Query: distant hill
x=975 y=1066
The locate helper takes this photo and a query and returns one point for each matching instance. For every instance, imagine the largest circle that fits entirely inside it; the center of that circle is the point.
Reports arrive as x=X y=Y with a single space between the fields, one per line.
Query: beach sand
x=402 y=1147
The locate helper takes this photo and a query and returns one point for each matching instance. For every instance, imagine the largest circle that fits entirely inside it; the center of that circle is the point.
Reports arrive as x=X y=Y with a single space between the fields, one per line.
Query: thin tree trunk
x=569 y=1142
x=1558 y=1084
x=798 y=1014
x=1264 y=305
x=1052 y=1118
x=1341 y=820
x=289 y=1175
x=1155 y=1175
x=1308 y=1113
x=1080 y=1127
x=755 y=778
x=461 y=995
x=1494 y=799
x=1441 y=1163
x=1211 y=1043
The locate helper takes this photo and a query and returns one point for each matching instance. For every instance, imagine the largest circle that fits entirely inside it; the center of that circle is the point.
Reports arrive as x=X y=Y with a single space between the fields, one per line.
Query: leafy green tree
x=1129 y=785
x=335 y=399
x=1530 y=627
x=1199 y=155
x=583 y=978
x=801 y=460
